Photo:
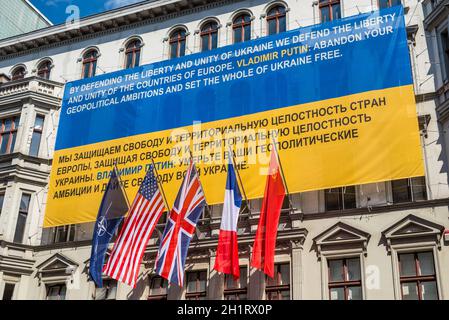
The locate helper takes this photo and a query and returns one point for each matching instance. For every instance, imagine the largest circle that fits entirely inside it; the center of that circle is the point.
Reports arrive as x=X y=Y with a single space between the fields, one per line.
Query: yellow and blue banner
x=337 y=98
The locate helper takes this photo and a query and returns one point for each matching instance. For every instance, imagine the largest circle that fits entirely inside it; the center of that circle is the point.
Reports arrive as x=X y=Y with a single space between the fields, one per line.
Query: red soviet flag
x=265 y=242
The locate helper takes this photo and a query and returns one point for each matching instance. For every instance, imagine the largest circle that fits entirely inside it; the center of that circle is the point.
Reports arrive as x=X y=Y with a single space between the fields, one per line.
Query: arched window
x=330 y=10
x=241 y=27
x=90 y=63
x=44 y=69
x=178 y=43
x=18 y=73
x=276 y=19
x=209 y=36
x=132 y=54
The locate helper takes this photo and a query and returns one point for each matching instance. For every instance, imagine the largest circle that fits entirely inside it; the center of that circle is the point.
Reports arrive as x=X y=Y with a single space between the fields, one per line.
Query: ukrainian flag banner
x=337 y=98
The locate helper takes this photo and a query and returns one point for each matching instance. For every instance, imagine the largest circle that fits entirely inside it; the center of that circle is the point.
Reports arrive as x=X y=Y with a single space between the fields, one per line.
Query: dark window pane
x=354 y=293
x=20 y=228
x=336 y=13
x=353 y=266
x=237 y=35
x=332 y=199
x=173 y=50
x=325 y=14
x=407 y=264
x=410 y=291
x=247 y=32
x=205 y=43
x=336 y=270
x=419 y=188
x=383 y=4
x=137 y=61
x=35 y=143
x=349 y=197
x=426 y=264
x=4 y=146
x=272 y=27
x=182 y=51
x=284 y=269
x=429 y=290
x=214 y=40
x=401 y=191
x=282 y=24
x=337 y=294
x=25 y=202
x=2 y=199
x=8 y=291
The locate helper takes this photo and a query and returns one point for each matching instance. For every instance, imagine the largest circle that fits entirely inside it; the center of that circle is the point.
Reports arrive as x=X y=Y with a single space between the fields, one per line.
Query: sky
x=55 y=10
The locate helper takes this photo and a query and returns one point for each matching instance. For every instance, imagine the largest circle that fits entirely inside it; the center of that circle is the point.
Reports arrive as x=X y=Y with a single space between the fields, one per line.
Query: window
x=43 y=69
x=417 y=276
x=236 y=289
x=409 y=190
x=241 y=27
x=330 y=10
x=278 y=288
x=56 y=292
x=340 y=198
x=108 y=292
x=8 y=291
x=37 y=135
x=8 y=134
x=18 y=73
x=388 y=3
x=345 y=281
x=132 y=54
x=444 y=53
x=90 y=59
x=196 y=285
x=22 y=218
x=63 y=234
x=209 y=36
x=158 y=288
x=178 y=43
x=2 y=199
x=276 y=19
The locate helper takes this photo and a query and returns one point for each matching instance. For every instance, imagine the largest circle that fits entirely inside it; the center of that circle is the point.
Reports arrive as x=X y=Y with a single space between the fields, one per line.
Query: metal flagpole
x=248 y=205
x=282 y=174
x=160 y=185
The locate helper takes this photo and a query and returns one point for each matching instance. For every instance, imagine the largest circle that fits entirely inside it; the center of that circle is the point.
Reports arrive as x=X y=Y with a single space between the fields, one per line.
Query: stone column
x=296 y=269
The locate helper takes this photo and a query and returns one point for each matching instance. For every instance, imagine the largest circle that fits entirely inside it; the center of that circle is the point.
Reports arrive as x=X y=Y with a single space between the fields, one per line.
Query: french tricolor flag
x=227 y=259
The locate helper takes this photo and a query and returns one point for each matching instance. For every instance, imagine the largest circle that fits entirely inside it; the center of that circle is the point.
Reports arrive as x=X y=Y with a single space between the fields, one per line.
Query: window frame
x=44 y=69
x=11 y=297
x=236 y=292
x=341 y=198
x=389 y=4
x=279 y=288
x=196 y=295
x=209 y=34
x=134 y=51
x=410 y=190
x=55 y=285
x=108 y=286
x=345 y=284
x=39 y=131
x=11 y=133
x=418 y=279
x=22 y=213
x=328 y=4
x=15 y=75
x=178 y=36
x=158 y=296
x=90 y=62
x=276 y=17
x=242 y=24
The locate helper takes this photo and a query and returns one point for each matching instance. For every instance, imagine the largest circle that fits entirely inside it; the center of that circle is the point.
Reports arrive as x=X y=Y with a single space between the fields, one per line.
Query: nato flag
x=113 y=208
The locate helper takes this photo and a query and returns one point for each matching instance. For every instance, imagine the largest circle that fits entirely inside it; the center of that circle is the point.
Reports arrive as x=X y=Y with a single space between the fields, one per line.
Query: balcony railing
x=32 y=84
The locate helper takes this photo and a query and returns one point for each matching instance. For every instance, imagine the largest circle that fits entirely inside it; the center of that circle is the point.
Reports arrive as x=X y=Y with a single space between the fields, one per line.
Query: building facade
x=20 y=16
x=376 y=241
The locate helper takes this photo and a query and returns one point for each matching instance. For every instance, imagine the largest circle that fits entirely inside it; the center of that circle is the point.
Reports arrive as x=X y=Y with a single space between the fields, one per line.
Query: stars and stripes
x=146 y=210
x=180 y=228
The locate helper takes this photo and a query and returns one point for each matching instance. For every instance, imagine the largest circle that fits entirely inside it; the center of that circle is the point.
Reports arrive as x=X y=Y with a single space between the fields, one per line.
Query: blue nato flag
x=113 y=209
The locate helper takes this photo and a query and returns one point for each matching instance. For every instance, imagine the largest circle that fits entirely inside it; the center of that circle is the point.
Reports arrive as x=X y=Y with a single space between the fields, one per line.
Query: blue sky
x=55 y=10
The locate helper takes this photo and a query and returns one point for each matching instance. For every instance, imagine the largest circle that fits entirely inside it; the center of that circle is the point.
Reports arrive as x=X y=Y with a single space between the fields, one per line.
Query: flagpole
x=160 y=185
x=121 y=185
x=282 y=174
x=248 y=205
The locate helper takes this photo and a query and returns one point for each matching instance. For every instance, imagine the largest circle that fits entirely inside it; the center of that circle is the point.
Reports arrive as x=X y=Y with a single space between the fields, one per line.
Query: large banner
x=336 y=99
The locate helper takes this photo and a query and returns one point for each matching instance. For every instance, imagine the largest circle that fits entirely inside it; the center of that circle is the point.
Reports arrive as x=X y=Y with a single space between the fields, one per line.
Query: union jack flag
x=180 y=228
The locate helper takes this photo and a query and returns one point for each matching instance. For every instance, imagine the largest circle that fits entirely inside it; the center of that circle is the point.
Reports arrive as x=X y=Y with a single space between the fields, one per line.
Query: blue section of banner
x=376 y=62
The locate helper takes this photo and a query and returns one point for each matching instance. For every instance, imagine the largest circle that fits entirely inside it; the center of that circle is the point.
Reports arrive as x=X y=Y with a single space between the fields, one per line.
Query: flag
x=126 y=256
x=227 y=259
x=112 y=210
x=265 y=241
x=180 y=228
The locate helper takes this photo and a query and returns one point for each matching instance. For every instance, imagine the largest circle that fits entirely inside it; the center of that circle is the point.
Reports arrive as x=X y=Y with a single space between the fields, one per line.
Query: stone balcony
x=38 y=88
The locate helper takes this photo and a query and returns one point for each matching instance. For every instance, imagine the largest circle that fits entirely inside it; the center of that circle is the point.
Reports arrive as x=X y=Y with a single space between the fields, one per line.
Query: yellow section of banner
x=357 y=139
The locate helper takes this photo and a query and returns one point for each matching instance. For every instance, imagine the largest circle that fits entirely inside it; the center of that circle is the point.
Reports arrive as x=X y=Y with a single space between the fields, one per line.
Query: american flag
x=126 y=256
x=180 y=228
